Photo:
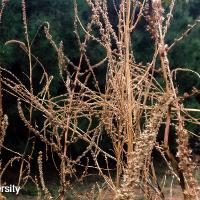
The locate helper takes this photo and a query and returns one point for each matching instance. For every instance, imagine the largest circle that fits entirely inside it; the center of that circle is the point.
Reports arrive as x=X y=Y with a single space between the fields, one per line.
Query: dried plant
x=44 y=188
x=131 y=109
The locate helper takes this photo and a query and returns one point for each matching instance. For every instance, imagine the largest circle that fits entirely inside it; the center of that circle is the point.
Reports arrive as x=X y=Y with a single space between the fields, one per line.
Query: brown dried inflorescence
x=131 y=108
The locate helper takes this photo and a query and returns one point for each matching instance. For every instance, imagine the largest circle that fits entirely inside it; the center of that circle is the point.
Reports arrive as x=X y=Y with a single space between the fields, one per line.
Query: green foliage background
x=60 y=15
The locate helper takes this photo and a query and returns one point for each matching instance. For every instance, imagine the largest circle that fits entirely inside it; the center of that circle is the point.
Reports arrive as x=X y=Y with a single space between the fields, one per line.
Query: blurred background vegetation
x=60 y=15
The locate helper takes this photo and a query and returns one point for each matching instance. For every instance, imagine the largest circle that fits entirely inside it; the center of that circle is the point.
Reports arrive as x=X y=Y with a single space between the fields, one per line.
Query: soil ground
x=171 y=191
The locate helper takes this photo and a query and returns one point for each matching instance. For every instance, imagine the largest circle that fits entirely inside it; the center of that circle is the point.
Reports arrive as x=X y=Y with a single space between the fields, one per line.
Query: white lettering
x=17 y=190
x=10 y=188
